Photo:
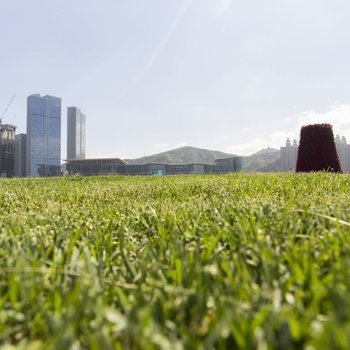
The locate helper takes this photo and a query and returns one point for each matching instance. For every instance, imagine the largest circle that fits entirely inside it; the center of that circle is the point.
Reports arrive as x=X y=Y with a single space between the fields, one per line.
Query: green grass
x=230 y=262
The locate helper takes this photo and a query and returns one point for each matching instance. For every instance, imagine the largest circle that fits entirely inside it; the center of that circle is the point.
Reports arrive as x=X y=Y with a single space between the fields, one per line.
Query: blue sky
x=228 y=75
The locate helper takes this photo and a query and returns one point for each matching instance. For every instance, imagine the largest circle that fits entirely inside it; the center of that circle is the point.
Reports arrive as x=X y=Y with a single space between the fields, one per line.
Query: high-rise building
x=289 y=156
x=75 y=133
x=20 y=155
x=7 y=150
x=343 y=149
x=43 y=135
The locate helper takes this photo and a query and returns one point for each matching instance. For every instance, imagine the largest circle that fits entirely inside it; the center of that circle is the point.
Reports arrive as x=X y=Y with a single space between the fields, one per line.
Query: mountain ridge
x=265 y=160
x=182 y=155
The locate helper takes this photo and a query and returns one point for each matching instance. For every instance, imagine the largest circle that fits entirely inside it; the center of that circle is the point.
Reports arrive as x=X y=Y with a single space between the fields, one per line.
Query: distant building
x=94 y=167
x=75 y=133
x=289 y=156
x=115 y=166
x=343 y=150
x=20 y=155
x=7 y=150
x=43 y=135
x=228 y=164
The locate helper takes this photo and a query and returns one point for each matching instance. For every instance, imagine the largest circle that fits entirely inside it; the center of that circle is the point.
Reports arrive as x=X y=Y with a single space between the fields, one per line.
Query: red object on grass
x=317 y=151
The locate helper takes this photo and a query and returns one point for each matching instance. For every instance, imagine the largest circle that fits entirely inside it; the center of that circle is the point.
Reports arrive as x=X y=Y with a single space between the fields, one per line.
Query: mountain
x=271 y=167
x=182 y=155
x=266 y=160
x=267 y=150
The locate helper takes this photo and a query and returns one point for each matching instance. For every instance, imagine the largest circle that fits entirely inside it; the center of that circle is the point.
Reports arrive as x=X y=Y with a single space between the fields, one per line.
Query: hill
x=271 y=167
x=182 y=155
x=266 y=160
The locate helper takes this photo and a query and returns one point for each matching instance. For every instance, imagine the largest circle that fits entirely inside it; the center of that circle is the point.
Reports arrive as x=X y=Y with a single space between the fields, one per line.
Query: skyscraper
x=75 y=133
x=343 y=149
x=20 y=155
x=289 y=156
x=7 y=150
x=43 y=135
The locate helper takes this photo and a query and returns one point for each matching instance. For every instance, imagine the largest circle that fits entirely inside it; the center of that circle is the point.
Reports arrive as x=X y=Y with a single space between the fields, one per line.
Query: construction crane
x=7 y=107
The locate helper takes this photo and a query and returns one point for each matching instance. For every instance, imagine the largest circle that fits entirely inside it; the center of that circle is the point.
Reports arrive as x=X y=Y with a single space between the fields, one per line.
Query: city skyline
x=335 y=114
x=214 y=74
x=42 y=147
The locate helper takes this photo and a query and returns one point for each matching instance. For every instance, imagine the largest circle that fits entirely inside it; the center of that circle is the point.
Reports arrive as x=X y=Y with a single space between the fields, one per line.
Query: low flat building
x=227 y=165
x=185 y=169
x=94 y=166
x=116 y=166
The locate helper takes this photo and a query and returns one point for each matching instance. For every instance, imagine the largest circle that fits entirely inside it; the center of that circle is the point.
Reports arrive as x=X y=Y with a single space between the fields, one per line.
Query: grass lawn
x=187 y=262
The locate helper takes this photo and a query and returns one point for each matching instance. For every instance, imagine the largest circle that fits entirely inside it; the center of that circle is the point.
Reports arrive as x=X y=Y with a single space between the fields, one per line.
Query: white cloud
x=275 y=140
x=337 y=115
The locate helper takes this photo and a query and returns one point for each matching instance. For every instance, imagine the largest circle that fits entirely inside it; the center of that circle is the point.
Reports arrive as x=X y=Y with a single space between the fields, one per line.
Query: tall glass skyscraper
x=75 y=134
x=43 y=135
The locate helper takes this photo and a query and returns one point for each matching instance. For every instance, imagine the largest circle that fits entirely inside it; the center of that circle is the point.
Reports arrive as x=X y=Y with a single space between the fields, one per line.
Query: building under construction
x=7 y=150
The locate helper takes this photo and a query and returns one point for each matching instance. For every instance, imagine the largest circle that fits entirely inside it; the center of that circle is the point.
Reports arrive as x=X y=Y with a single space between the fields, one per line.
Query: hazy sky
x=150 y=75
